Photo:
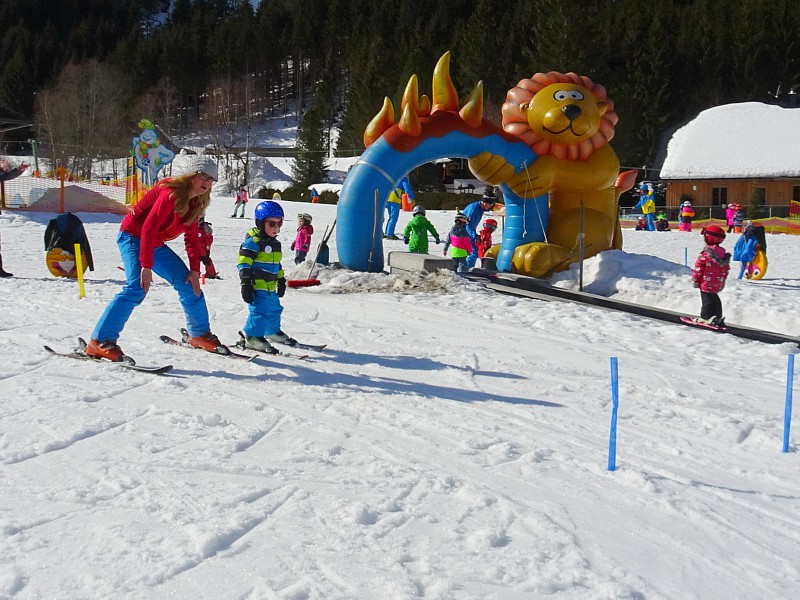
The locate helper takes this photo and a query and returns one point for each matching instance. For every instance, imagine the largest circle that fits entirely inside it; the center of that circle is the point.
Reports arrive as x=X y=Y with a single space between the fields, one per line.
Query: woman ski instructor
x=173 y=207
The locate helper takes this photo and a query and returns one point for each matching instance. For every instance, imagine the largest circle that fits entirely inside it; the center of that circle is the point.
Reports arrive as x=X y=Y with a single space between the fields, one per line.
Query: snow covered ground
x=451 y=443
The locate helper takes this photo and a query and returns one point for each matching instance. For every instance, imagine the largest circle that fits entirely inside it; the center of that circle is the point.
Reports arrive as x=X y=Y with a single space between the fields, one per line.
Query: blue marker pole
x=787 y=413
x=612 y=440
x=686 y=256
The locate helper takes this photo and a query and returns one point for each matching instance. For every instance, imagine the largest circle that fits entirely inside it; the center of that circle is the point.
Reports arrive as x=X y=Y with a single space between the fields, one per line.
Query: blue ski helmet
x=267 y=209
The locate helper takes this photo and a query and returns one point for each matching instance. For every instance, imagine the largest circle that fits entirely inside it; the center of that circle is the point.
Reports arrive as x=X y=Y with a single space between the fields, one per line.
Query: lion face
x=565 y=113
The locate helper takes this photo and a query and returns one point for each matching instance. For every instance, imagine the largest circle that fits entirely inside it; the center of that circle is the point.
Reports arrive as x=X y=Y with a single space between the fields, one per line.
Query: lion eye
x=562 y=95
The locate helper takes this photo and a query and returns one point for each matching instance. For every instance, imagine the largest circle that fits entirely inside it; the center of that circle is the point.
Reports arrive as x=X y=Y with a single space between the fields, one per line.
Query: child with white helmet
x=416 y=232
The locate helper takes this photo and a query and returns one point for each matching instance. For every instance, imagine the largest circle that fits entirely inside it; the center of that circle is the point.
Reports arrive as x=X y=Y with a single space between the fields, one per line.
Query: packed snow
x=451 y=442
x=747 y=139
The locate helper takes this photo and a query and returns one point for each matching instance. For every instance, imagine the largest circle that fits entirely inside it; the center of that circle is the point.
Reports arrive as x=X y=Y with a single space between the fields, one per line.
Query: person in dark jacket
x=64 y=232
x=7 y=173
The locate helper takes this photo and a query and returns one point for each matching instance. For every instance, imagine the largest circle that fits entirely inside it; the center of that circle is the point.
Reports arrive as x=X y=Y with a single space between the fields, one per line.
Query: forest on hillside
x=86 y=71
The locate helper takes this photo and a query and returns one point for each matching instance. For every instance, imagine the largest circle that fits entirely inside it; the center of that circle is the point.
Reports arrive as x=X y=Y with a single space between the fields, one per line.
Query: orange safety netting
x=59 y=191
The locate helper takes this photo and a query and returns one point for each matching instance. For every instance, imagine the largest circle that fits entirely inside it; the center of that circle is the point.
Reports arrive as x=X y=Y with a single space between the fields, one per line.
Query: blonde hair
x=188 y=209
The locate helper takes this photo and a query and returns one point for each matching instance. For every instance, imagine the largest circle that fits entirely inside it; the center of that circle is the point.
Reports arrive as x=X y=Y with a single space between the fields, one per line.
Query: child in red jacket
x=710 y=271
x=206 y=235
x=483 y=241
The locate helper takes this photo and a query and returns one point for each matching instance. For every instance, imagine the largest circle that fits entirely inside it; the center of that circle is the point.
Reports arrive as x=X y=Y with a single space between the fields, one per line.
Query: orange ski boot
x=106 y=349
x=208 y=342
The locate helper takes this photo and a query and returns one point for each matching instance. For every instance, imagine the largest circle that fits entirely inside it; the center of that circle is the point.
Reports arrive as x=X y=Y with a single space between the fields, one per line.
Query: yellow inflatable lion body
x=567 y=120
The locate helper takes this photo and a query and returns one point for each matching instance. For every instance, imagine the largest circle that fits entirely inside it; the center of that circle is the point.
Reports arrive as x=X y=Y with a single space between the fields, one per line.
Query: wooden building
x=737 y=153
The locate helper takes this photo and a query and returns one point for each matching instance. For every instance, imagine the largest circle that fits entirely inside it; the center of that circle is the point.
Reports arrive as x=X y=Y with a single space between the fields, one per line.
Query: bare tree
x=228 y=114
x=82 y=116
x=160 y=104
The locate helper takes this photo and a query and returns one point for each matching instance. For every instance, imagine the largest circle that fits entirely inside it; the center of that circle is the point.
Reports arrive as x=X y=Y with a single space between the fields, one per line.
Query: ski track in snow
x=451 y=443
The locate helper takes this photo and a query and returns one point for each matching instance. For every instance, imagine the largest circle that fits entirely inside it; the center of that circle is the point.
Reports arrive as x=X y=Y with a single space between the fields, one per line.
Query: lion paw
x=491 y=168
x=539 y=258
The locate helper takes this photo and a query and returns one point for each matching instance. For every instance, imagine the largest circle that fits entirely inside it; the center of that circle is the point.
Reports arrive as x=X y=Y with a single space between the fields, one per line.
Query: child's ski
x=271 y=351
x=314 y=347
x=173 y=342
x=691 y=321
x=80 y=354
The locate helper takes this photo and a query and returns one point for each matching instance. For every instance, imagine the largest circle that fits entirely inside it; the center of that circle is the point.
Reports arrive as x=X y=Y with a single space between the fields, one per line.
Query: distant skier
x=239 y=201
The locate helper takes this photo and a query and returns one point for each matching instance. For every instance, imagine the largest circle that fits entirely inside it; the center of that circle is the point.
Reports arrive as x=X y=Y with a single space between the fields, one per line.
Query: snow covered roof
x=750 y=139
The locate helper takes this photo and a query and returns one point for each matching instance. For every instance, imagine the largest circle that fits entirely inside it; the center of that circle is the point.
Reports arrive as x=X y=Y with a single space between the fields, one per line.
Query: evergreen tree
x=309 y=163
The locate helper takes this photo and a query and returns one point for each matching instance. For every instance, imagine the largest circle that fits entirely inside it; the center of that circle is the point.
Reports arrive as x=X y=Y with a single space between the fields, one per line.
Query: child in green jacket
x=416 y=232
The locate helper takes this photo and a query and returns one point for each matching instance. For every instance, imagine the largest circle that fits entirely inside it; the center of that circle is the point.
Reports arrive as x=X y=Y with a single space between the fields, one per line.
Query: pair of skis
x=129 y=363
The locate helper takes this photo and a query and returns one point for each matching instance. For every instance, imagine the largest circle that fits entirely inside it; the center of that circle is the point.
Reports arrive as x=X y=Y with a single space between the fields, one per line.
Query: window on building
x=719 y=195
x=796 y=193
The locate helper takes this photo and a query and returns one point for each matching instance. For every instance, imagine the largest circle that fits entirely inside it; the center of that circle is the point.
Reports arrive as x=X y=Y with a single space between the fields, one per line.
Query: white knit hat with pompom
x=190 y=164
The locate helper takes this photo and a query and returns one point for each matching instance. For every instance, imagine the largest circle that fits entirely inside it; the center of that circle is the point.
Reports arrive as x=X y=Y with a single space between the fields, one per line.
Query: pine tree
x=309 y=164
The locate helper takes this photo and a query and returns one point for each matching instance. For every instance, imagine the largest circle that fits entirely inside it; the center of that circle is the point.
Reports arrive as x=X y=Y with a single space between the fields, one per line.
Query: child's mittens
x=281 y=287
x=405 y=240
x=292 y=246
x=438 y=241
x=248 y=293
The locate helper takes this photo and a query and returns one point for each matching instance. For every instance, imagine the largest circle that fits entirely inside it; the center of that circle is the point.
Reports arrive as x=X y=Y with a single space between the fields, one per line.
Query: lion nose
x=571 y=111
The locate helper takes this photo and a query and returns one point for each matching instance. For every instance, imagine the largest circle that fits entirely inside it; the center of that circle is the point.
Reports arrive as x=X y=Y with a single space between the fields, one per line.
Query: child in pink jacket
x=460 y=243
x=710 y=272
x=302 y=241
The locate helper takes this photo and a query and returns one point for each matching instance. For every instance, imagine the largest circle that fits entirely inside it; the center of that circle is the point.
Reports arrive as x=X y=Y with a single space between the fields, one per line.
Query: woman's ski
x=183 y=343
x=80 y=354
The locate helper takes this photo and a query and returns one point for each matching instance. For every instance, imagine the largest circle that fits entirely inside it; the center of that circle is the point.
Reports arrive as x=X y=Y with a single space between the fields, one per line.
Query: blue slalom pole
x=787 y=413
x=612 y=440
x=686 y=256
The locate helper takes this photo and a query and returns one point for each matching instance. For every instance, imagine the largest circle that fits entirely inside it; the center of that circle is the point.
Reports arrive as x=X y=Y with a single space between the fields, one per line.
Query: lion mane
x=515 y=120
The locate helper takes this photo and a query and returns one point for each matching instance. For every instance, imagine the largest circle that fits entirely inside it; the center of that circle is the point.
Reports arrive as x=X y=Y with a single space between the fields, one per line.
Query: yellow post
x=79 y=269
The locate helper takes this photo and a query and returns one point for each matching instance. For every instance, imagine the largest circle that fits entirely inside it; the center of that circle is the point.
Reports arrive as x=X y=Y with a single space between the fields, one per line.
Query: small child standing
x=461 y=243
x=302 y=241
x=262 y=280
x=738 y=219
x=710 y=272
x=206 y=234
x=686 y=216
x=415 y=233
x=239 y=200
x=484 y=239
